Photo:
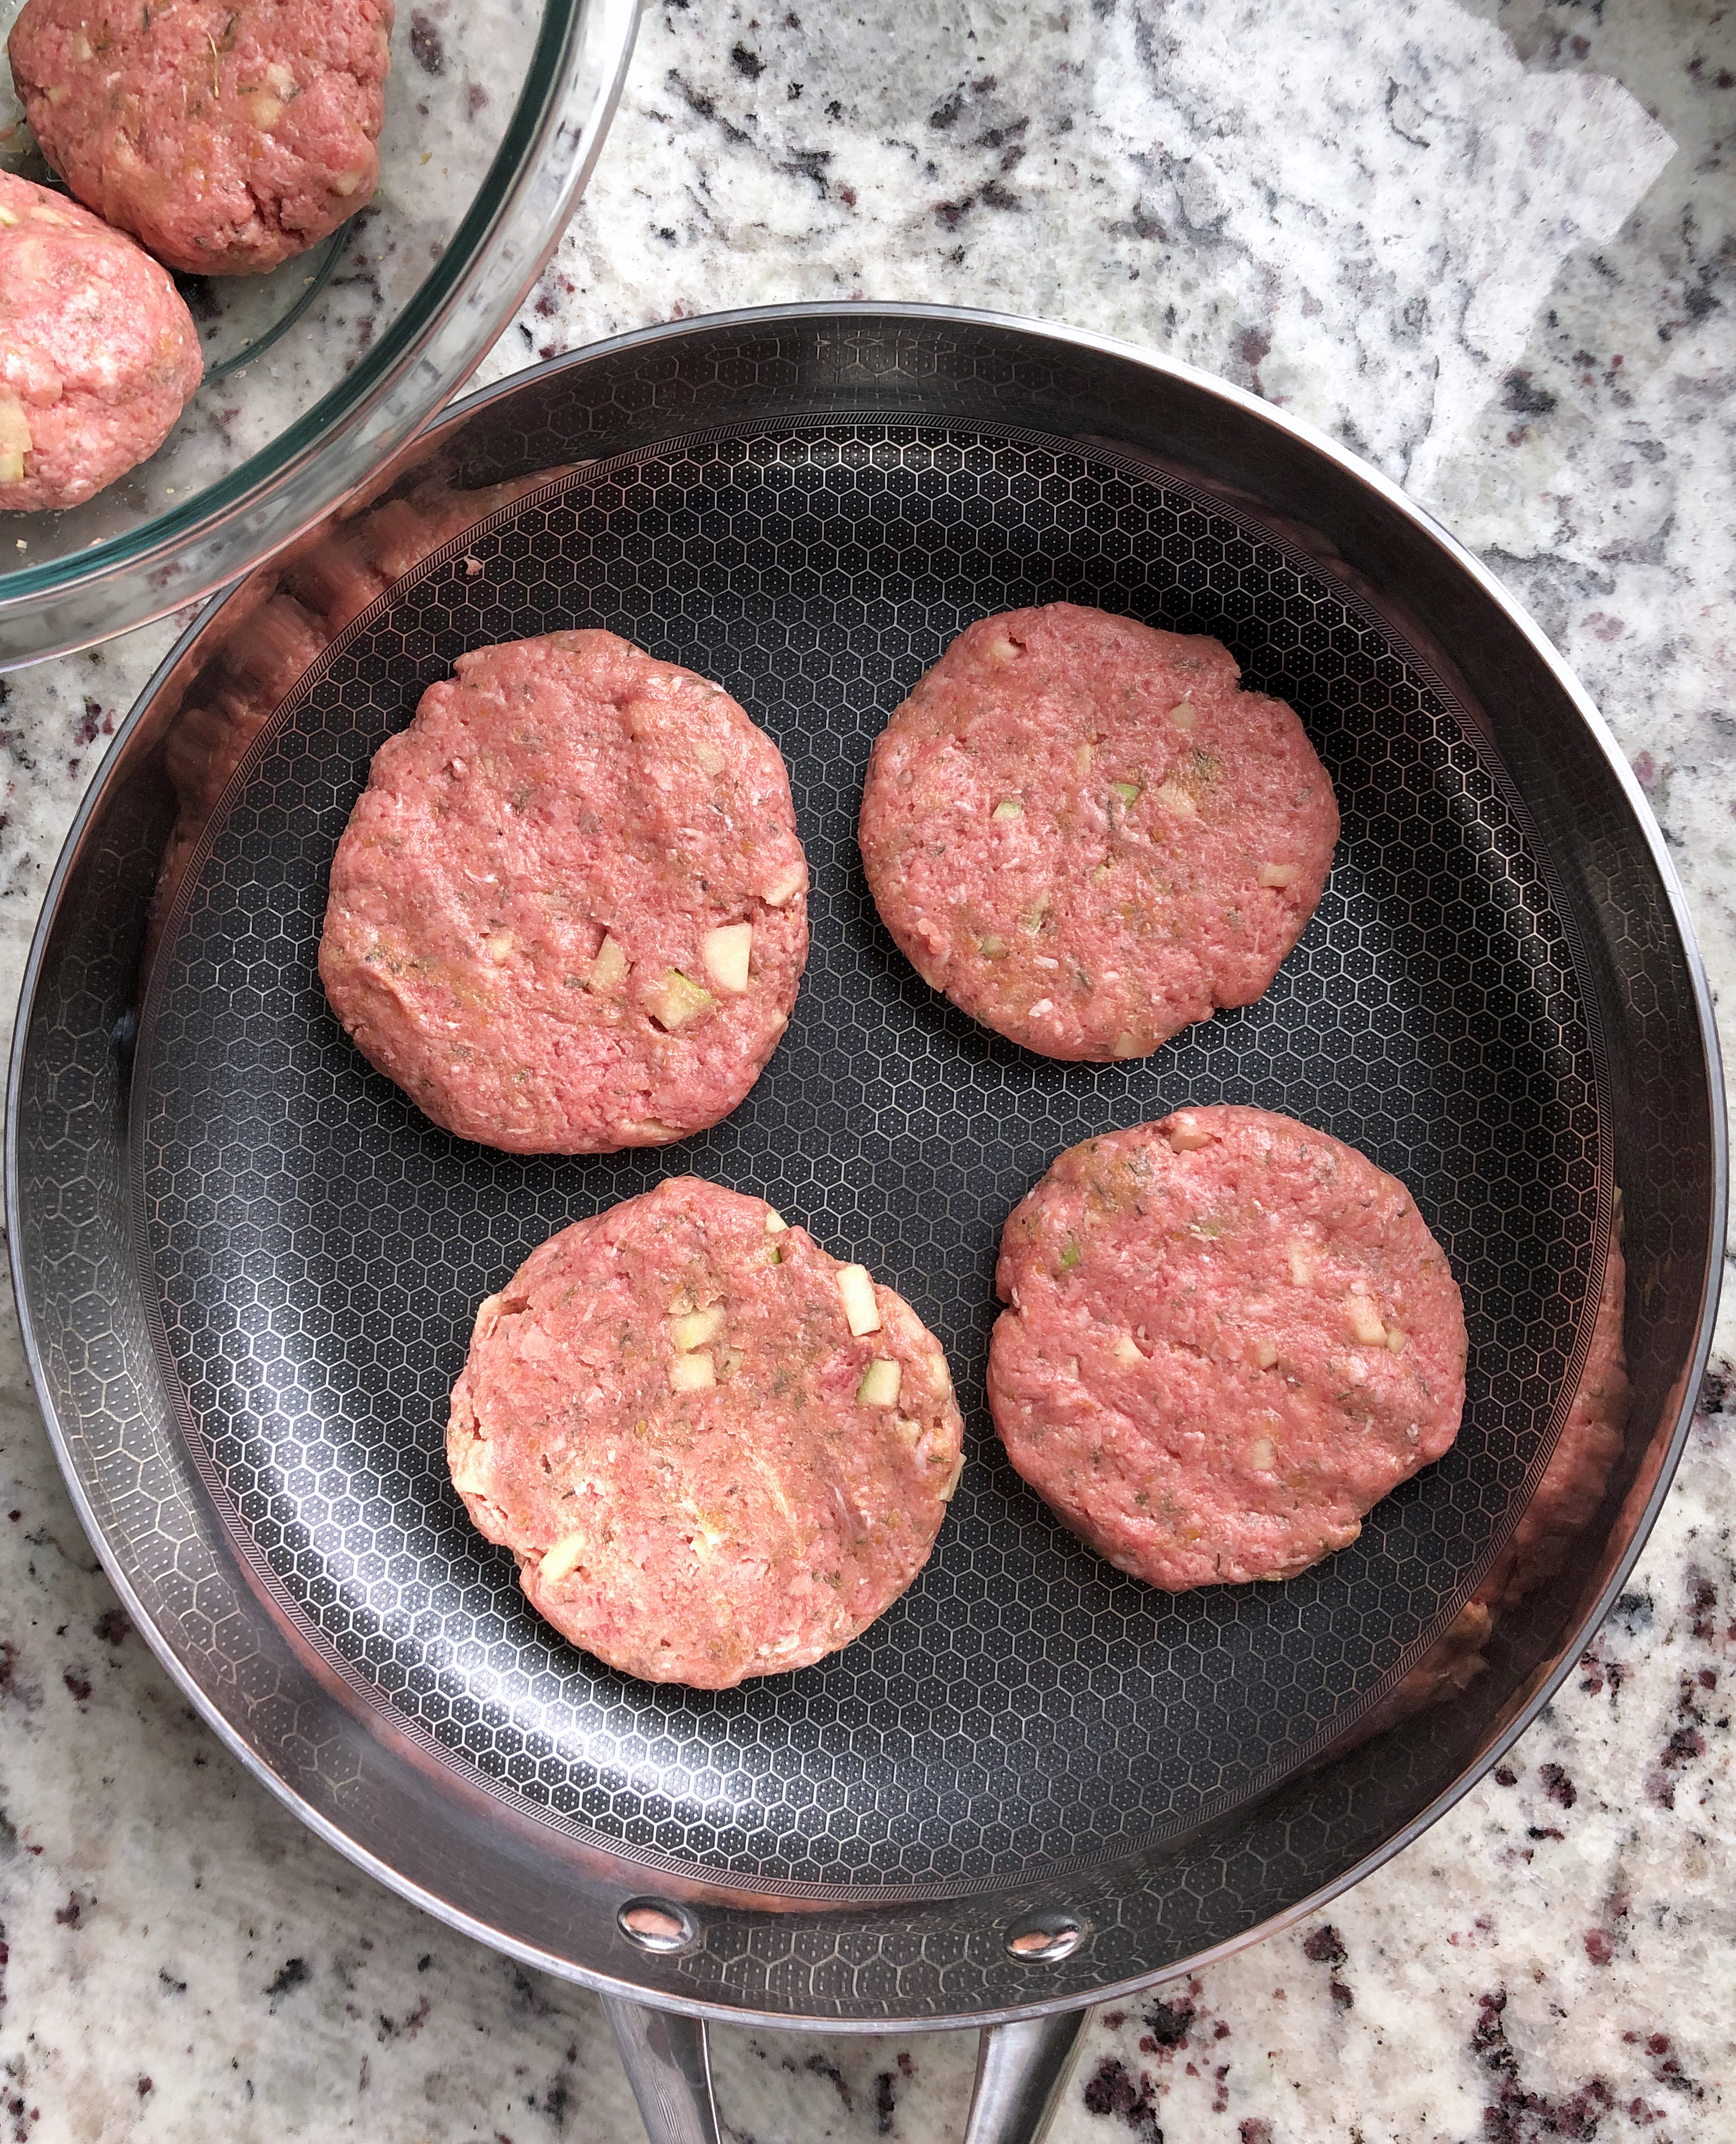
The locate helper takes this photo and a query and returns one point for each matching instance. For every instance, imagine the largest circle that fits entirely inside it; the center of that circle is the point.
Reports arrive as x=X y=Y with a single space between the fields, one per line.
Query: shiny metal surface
x=1500 y=998
x=419 y=361
x=668 y=2066
x=1021 y=2070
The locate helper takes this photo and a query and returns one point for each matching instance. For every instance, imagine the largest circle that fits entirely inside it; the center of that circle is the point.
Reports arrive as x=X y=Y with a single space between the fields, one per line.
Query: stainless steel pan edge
x=634 y=1978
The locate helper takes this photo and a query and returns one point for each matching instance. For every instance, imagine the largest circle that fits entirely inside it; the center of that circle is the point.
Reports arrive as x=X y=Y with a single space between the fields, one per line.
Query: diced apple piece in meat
x=861 y=1309
x=880 y=1384
x=1174 y=797
x=675 y=999
x=609 y=968
x=696 y=1327
x=1005 y=651
x=1009 y=807
x=1183 y=714
x=561 y=1560
x=775 y=1223
x=726 y=951
x=1187 y=1135
x=691 y=1373
x=15 y=439
x=786 y=886
x=1126 y=1350
x=1280 y=875
x=1364 y=1320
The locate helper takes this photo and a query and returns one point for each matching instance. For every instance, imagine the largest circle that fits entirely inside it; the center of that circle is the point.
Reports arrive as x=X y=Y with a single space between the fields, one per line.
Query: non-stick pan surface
x=308 y=1251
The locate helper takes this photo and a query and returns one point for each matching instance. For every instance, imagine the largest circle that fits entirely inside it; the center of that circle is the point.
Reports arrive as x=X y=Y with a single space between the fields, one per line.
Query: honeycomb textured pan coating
x=318 y=1248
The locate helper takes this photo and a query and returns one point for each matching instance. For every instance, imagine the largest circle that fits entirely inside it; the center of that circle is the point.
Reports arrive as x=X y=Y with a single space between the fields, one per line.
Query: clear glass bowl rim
x=155 y=547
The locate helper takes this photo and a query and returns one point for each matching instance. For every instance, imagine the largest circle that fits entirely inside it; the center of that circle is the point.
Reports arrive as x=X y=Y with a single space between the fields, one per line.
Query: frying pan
x=247 y=1267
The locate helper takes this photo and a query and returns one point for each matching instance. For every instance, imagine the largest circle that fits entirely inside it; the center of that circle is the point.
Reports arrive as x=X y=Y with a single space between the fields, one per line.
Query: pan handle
x=669 y=2067
x=1019 y=2072
x=1020 y=2069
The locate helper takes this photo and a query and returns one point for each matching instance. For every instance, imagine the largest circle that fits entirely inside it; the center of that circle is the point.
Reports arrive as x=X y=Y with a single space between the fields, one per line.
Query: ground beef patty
x=1084 y=833
x=98 y=354
x=569 y=912
x=716 y=1452
x=1229 y=1335
x=225 y=134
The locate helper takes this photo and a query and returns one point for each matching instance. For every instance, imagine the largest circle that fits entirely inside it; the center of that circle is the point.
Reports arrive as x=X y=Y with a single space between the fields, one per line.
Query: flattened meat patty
x=1082 y=831
x=98 y=354
x=716 y=1452
x=226 y=135
x=1229 y=1335
x=569 y=912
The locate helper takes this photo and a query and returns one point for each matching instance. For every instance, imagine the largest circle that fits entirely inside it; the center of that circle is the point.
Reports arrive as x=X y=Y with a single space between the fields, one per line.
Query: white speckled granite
x=1458 y=239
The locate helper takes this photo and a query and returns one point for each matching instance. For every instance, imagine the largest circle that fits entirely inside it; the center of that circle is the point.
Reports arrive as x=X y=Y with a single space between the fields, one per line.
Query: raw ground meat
x=704 y=1473
x=226 y=135
x=568 y=914
x=1229 y=1335
x=1086 y=835
x=98 y=354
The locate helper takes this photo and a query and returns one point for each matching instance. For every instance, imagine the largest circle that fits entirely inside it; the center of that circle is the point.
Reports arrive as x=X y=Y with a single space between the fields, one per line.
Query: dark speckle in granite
x=818 y=2066
x=1526 y=399
x=1167 y=2022
x=1325 y=1945
x=427 y=47
x=1516 y=2115
x=291 y=1975
x=1113 y=2093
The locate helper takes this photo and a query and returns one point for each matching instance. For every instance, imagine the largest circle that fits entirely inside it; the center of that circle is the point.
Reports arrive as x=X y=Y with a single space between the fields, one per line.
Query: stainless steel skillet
x=246 y=1266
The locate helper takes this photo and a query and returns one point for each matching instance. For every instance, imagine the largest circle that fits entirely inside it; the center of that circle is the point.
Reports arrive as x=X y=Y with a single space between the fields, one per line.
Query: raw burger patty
x=705 y=1473
x=1082 y=831
x=1229 y=1335
x=569 y=913
x=98 y=354
x=225 y=134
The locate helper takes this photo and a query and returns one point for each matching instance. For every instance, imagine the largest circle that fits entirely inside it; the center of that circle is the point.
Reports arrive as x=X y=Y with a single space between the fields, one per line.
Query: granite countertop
x=1493 y=248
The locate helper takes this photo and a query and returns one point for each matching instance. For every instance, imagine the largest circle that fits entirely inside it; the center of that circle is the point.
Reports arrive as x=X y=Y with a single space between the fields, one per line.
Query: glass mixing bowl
x=315 y=374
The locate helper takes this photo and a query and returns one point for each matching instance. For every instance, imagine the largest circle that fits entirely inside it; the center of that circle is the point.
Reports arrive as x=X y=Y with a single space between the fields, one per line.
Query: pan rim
x=1063 y=338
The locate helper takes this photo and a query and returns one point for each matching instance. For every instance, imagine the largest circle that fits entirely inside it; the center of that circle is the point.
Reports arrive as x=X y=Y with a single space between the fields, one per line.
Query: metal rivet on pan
x=1045 y=1937
x=655 y=1924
